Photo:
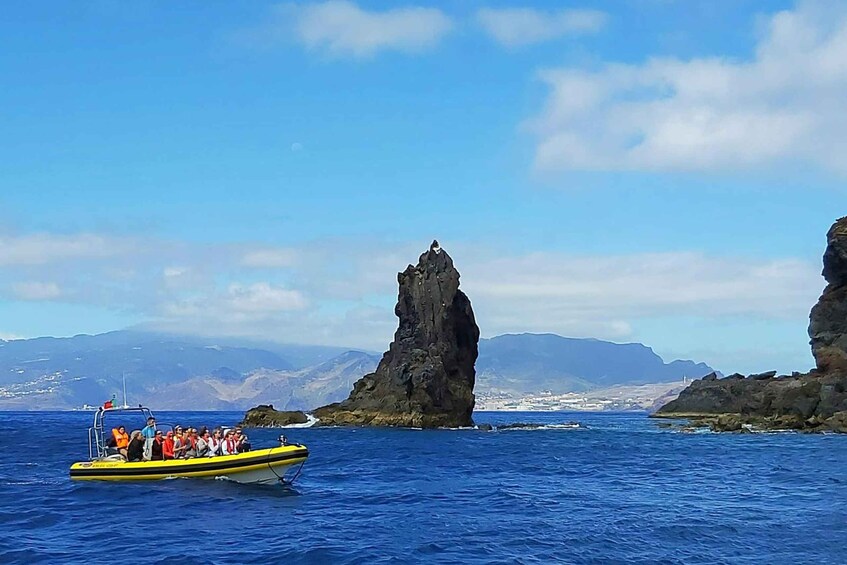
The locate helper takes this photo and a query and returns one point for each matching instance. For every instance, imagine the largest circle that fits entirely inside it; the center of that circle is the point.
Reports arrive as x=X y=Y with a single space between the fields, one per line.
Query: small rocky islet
x=806 y=402
x=426 y=378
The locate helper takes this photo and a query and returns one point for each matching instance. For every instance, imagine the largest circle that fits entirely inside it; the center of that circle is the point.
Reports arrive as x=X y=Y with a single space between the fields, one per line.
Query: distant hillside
x=533 y=362
x=179 y=372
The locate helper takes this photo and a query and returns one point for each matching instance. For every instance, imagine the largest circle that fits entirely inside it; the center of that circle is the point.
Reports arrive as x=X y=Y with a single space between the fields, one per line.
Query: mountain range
x=192 y=373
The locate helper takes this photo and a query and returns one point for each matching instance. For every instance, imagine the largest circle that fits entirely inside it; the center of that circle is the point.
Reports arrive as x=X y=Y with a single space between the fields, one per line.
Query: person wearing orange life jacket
x=119 y=440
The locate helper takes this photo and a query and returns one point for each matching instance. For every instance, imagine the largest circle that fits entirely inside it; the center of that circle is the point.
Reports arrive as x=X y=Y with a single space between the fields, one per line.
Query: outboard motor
x=283 y=441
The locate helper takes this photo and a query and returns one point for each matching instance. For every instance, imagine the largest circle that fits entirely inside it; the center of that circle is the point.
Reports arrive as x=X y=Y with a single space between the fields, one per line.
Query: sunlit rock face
x=426 y=377
x=828 y=320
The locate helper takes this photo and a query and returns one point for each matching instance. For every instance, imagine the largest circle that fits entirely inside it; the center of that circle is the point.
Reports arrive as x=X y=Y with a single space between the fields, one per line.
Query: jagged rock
x=837 y=422
x=828 y=319
x=534 y=426
x=426 y=377
x=484 y=427
x=815 y=401
x=264 y=416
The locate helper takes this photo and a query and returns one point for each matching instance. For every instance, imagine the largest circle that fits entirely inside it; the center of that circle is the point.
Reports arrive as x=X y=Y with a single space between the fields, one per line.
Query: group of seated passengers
x=151 y=444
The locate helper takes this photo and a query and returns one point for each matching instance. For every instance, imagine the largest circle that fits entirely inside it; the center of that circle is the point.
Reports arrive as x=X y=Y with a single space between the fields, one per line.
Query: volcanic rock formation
x=265 y=416
x=426 y=377
x=828 y=320
x=815 y=401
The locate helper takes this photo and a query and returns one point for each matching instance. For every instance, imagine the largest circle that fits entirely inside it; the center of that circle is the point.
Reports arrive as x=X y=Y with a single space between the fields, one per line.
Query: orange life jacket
x=121 y=439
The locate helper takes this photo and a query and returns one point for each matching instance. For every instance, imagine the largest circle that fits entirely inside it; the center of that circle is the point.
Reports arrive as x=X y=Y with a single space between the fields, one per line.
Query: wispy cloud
x=785 y=105
x=43 y=248
x=342 y=29
x=522 y=26
x=35 y=290
x=331 y=292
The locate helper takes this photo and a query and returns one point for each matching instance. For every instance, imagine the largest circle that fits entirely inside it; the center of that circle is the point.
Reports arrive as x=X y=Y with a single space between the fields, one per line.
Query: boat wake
x=310 y=421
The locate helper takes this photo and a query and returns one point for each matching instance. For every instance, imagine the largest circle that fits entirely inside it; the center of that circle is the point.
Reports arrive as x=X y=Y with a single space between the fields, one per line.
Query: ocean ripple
x=621 y=490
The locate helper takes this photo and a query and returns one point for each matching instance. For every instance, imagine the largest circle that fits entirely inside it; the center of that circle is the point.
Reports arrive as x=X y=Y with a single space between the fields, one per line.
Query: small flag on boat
x=109 y=403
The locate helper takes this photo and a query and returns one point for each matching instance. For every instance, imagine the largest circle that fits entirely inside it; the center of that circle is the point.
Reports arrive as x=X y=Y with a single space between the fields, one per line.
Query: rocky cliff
x=828 y=320
x=426 y=377
x=815 y=401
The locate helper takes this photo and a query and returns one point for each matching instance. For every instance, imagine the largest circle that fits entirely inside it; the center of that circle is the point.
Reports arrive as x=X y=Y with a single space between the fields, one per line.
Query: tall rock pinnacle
x=426 y=377
x=828 y=319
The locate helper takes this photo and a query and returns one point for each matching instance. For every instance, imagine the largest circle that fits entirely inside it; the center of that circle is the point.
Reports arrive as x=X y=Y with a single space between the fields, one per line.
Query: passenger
x=157 y=451
x=149 y=433
x=189 y=440
x=168 y=446
x=135 y=449
x=242 y=444
x=119 y=440
x=228 y=446
x=202 y=445
x=214 y=442
x=179 y=448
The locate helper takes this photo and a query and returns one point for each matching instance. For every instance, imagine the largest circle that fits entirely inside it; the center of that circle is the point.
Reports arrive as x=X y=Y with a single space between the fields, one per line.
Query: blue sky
x=645 y=170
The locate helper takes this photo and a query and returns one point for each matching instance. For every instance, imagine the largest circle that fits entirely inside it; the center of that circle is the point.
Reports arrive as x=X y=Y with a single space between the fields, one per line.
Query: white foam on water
x=310 y=421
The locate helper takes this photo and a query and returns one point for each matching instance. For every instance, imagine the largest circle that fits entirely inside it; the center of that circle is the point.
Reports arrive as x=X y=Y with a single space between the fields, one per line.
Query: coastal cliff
x=426 y=377
x=814 y=401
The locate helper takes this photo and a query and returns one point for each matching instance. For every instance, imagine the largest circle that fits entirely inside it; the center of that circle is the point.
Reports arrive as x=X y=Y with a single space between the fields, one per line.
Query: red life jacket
x=168 y=448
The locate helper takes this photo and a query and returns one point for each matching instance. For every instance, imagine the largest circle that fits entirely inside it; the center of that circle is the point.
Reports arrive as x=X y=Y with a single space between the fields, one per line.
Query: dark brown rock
x=814 y=401
x=828 y=319
x=426 y=377
x=265 y=416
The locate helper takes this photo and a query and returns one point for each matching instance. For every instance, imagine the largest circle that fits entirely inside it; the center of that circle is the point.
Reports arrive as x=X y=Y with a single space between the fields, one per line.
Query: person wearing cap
x=149 y=433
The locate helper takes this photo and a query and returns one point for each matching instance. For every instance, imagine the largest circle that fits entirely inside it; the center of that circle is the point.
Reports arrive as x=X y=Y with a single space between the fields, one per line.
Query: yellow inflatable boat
x=263 y=466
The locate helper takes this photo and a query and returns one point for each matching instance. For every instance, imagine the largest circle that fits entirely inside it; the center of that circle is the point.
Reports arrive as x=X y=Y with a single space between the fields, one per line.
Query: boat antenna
x=124 y=377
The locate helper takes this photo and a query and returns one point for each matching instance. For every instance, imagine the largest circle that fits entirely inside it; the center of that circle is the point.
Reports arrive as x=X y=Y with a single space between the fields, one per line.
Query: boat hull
x=264 y=466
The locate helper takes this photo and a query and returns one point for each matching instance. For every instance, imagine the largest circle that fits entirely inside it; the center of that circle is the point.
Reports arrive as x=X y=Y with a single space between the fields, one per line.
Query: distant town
x=633 y=397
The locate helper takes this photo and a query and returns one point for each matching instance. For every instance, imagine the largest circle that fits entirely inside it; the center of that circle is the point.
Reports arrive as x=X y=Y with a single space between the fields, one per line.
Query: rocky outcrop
x=426 y=377
x=265 y=416
x=814 y=401
x=828 y=320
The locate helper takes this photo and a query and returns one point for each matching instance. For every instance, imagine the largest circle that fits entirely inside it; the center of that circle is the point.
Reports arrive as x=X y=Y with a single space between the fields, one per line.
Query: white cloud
x=605 y=296
x=786 y=105
x=340 y=28
x=263 y=297
x=522 y=26
x=269 y=258
x=43 y=248
x=36 y=291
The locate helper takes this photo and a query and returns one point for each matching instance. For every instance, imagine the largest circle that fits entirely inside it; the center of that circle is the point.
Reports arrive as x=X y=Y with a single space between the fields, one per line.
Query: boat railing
x=93 y=445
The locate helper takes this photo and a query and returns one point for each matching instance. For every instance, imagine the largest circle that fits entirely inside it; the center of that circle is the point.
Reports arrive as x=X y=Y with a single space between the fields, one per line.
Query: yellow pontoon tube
x=264 y=466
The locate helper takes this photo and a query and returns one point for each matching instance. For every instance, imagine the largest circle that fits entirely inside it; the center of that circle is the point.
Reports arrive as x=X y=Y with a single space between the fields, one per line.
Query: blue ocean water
x=623 y=490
